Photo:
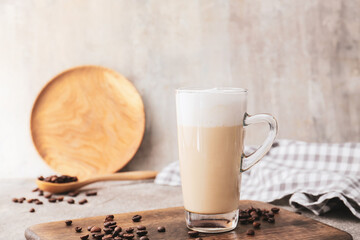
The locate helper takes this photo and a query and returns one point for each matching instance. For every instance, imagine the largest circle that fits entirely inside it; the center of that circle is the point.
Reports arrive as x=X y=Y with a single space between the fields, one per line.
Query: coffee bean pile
x=51 y=198
x=58 y=179
x=111 y=231
x=254 y=215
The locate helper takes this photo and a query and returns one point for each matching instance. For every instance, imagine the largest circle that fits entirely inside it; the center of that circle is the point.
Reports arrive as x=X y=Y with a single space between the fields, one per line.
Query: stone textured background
x=300 y=61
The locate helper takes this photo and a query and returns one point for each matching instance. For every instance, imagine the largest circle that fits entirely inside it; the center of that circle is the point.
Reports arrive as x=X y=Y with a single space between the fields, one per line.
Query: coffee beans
x=95 y=229
x=193 y=234
x=32 y=210
x=128 y=236
x=144 y=238
x=141 y=227
x=73 y=194
x=58 y=179
x=78 y=229
x=89 y=228
x=129 y=230
x=68 y=222
x=141 y=233
x=52 y=200
x=60 y=199
x=15 y=200
x=48 y=195
x=85 y=237
x=271 y=220
x=250 y=232
x=256 y=224
x=71 y=201
x=81 y=202
x=161 y=229
x=108 y=224
x=275 y=210
x=136 y=218
x=91 y=193
x=35 y=189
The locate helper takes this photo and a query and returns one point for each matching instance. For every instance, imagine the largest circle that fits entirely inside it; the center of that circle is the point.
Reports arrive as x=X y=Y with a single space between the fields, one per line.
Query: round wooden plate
x=87 y=121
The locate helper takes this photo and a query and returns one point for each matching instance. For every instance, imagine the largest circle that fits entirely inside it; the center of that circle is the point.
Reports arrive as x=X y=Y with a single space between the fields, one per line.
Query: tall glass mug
x=210 y=126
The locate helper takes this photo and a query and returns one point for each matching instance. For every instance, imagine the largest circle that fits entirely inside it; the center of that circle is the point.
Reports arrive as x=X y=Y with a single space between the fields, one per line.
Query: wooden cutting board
x=288 y=225
x=88 y=121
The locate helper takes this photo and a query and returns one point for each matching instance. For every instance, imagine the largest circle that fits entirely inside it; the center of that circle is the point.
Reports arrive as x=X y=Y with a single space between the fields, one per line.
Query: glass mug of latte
x=210 y=126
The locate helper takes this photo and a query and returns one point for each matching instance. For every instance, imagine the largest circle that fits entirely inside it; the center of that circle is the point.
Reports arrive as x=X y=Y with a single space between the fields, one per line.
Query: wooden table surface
x=113 y=197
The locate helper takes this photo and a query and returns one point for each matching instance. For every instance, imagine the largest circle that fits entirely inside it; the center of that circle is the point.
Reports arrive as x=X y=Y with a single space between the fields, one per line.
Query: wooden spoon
x=69 y=187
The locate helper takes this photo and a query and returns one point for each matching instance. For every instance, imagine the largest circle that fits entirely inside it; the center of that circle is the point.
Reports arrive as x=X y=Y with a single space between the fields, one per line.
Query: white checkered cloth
x=316 y=175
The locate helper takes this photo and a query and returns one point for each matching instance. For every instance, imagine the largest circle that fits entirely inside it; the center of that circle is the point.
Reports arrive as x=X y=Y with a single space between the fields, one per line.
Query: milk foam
x=211 y=107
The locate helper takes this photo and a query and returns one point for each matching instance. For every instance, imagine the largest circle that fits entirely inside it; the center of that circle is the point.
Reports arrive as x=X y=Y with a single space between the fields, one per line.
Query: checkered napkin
x=316 y=175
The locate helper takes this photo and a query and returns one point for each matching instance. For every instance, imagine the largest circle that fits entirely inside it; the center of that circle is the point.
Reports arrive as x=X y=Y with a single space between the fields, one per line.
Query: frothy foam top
x=211 y=107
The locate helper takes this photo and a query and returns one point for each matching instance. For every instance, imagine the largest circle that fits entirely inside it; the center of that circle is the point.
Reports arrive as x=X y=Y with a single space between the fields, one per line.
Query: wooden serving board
x=288 y=225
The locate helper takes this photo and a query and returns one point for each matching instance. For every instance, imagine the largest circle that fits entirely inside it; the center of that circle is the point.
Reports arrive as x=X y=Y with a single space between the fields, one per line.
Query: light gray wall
x=299 y=60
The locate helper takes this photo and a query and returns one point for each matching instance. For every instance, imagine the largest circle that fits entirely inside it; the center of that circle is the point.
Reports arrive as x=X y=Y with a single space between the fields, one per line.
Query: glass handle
x=255 y=157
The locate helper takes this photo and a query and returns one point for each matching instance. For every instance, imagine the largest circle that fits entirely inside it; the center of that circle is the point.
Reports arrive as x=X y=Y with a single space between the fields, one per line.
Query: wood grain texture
x=288 y=225
x=300 y=61
x=88 y=121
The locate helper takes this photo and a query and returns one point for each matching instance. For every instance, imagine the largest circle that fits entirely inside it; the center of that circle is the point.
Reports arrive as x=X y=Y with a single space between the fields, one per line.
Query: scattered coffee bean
x=15 y=200
x=243 y=221
x=85 y=237
x=39 y=203
x=265 y=218
x=83 y=201
x=136 y=218
x=271 y=220
x=108 y=224
x=117 y=230
x=91 y=193
x=252 y=219
x=89 y=228
x=129 y=230
x=107 y=237
x=275 y=210
x=161 y=229
x=144 y=238
x=58 y=179
x=48 y=195
x=270 y=215
x=119 y=238
x=109 y=218
x=256 y=224
x=98 y=235
x=73 y=194
x=78 y=229
x=141 y=233
x=128 y=235
x=32 y=210
x=95 y=229
x=52 y=200
x=35 y=189
x=298 y=212
x=193 y=234
x=68 y=222
x=30 y=200
x=250 y=232
x=107 y=230
x=60 y=199
x=141 y=227
x=71 y=201
x=41 y=193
